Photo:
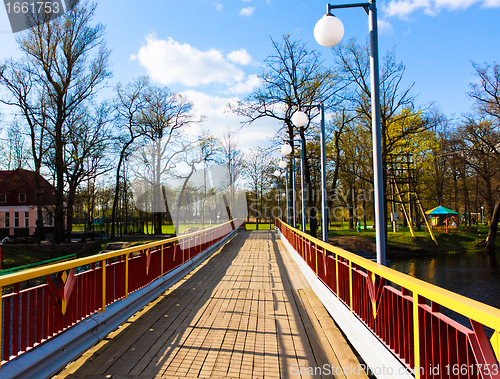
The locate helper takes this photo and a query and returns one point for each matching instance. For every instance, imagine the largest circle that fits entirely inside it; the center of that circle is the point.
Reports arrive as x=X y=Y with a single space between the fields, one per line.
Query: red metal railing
x=404 y=312
x=72 y=291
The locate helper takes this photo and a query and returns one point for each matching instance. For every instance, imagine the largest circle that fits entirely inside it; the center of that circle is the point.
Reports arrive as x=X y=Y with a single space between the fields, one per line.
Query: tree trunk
x=117 y=194
x=59 y=168
x=179 y=201
x=69 y=213
x=492 y=233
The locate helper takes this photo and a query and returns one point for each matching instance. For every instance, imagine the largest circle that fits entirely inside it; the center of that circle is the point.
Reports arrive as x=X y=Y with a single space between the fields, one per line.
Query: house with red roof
x=18 y=208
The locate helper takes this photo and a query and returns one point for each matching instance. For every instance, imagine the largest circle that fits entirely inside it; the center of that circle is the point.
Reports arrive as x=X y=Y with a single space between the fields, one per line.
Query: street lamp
x=300 y=119
x=328 y=31
x=288 y=149
x=282 y=164
x=277 y=174
x=482 y=215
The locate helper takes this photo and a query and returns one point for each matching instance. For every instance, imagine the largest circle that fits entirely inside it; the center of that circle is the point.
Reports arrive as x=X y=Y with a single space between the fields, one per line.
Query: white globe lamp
x=282 y=164
x=286 y=149
x=277 y=173
x=329 y=31
x=299 y=119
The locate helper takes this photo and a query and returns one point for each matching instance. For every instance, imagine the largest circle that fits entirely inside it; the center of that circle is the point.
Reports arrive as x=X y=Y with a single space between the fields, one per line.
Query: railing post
x=337 y=274
x=1 y=324
x=161 y=259
x=103 y=263
x=350 y=286
x=126 y=274
x=315 y=250
x=183 y=249
x=416 y=335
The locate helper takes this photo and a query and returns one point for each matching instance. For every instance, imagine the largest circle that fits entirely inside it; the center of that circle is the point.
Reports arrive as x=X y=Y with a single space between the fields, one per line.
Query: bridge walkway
x=247 y=312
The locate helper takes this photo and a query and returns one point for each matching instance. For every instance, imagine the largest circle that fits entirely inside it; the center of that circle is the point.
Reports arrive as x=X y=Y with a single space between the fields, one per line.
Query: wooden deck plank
x=248 y=312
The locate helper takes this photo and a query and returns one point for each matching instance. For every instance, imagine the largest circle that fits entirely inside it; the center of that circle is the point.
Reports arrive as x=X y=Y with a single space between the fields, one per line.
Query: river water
x=474 y=275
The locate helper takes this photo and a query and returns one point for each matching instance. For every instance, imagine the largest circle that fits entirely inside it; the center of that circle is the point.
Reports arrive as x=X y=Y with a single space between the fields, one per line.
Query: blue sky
x=211 y=50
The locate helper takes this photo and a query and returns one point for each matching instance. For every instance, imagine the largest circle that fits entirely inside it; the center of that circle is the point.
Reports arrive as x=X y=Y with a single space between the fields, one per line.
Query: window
x=22 y=198
x=3 y=197
x=7 y=219
x=16 y=219
x=50 y=219
x=26 y=219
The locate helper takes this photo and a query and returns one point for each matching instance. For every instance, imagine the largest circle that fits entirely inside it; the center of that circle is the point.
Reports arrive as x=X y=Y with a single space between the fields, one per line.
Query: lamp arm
x=365 y=6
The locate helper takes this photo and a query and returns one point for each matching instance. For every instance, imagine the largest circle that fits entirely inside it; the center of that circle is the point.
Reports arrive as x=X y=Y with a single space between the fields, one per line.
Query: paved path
x=248 y=312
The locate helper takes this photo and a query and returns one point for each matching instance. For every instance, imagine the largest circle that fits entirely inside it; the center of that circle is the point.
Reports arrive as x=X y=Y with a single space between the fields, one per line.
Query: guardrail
x=404 y=312
x=77 y=289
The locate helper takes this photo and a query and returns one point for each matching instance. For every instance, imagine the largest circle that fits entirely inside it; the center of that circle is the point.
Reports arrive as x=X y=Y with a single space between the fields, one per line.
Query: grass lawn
x=148 y=229
x=262 y=226
x=19 y=255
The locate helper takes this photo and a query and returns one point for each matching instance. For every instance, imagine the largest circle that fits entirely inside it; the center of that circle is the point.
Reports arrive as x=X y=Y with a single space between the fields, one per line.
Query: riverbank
x=401 y=244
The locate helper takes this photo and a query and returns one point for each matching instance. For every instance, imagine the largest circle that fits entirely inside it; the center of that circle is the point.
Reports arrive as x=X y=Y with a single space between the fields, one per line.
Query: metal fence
x=404 y=312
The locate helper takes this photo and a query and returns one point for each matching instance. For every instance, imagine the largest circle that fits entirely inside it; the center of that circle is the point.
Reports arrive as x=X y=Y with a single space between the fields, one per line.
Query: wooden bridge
x=247 y=312
x=229 y=303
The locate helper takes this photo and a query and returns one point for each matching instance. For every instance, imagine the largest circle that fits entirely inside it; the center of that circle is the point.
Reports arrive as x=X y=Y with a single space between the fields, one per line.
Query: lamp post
x=482 y=215
x=277 y=174
x=282 y=164
x=287 y=149
x=299 y=119
x=328 y=31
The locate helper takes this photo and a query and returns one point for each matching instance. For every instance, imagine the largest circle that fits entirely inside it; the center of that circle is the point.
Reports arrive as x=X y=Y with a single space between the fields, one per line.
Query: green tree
x=398 y=113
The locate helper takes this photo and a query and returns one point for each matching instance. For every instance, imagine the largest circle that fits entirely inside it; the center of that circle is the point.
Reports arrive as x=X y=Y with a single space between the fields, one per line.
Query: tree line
x=427 y=158
x=91 y=148
x=63 y=131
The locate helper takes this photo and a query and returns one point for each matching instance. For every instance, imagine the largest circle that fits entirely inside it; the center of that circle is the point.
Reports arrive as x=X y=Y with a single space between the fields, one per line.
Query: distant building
x=18 y=209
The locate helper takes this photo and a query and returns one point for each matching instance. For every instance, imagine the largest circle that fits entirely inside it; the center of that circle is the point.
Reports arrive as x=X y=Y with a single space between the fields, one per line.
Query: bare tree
x=85 y=150
x=486 y=94
x=294 y=76
x=202 y=151
x=30 y=100
x=128 y=106
x=232 y=158
x=162 y=122
x=65 y=63
x=15 y=151
x=256 y=167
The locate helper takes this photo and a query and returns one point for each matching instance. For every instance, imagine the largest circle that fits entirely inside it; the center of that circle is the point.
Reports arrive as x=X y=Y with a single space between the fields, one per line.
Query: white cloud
x=247 y=86
x=218 y=120
x=172 y=62
x=218 y=6
x=404 y=8
x=246 y=1
x=384 y=26
x=247 y=11
x=240 y=56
